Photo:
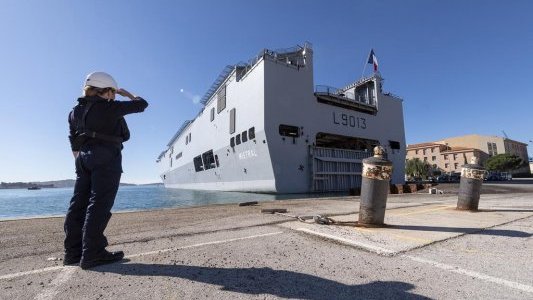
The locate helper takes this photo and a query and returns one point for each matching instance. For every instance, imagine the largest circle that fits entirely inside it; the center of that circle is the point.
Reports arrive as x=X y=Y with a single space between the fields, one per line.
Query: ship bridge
x=359 y=96
x=338 y=97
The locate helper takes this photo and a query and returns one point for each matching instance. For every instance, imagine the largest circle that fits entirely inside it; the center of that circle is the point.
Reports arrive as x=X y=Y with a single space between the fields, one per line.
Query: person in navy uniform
x=97 y=131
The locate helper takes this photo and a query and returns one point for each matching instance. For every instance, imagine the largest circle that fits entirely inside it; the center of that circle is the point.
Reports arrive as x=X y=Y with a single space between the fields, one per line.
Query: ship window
x=244 y=136
x=288 y=130
x=198 y=165
x=212 y=114
x=209 y=160
x=251 y=133
x=221 y=99
x=216 y=160
x=232 y=142
x=178 y=156
x=186 y=140
x=189 y=137
x=238 y=139
x=232 y=121
x=394 y=144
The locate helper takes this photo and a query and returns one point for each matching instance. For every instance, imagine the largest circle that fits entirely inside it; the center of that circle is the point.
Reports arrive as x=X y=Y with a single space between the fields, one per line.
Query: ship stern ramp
x=317 y=140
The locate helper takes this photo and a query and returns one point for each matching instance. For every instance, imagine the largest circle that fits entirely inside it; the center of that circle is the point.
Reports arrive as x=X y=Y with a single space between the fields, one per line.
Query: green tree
x=503 y=163
x=416 y=168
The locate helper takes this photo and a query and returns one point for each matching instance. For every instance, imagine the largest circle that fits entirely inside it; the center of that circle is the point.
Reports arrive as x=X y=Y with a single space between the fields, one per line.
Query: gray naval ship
x=265 y=127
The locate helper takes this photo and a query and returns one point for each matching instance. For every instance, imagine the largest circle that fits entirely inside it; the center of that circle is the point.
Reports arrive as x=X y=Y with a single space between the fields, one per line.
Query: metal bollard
x=470 y=186
x=374 y=189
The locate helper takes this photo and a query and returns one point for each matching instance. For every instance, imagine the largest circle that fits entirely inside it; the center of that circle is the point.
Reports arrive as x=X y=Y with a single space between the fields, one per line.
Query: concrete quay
x=428 y=250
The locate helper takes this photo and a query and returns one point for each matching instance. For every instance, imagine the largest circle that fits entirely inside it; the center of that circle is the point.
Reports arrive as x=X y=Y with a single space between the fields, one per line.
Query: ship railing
x=280 y=55
x=243 y=68
x=178 y=133
x=282 y=52
x=361 y=81
x=340 y=93
x=393 y=95
x=161 y=155
x=218 y=82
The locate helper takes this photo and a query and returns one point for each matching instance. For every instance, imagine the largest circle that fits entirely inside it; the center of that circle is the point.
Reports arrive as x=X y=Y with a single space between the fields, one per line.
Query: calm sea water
x=23 y=203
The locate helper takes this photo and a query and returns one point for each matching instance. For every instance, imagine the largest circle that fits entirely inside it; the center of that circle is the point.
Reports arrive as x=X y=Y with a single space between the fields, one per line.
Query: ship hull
x=267 y=128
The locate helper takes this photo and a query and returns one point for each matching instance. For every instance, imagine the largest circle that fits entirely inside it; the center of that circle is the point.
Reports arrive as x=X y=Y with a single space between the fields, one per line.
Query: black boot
x=71 y=259
x=102 y=259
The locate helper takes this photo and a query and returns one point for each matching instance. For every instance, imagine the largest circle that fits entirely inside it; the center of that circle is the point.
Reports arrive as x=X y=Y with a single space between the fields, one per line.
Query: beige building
x=491 y=145
x=442 y=157
x=448 y=155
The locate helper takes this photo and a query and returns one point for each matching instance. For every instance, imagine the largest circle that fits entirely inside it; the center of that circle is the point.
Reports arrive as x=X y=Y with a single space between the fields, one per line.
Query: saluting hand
x=122 y=92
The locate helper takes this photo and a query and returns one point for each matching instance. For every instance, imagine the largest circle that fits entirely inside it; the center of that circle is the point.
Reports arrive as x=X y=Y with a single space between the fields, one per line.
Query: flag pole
x=364 y=69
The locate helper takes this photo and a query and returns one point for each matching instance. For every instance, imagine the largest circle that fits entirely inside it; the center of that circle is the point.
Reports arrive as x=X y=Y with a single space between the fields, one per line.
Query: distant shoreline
x=67 y=183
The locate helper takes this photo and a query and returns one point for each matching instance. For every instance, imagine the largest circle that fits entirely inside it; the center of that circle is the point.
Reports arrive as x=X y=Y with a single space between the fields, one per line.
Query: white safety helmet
x=101 y=80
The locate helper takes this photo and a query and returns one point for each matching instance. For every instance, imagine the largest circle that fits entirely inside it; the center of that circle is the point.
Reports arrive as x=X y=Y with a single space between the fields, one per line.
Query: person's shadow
x=280 y=283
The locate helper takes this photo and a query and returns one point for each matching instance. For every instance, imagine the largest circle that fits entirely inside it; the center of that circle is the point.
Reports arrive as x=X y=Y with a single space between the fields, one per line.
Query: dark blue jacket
x=104 y=117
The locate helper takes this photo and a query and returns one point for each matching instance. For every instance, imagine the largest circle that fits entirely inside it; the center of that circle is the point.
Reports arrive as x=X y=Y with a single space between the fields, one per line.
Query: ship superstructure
x=265 y=127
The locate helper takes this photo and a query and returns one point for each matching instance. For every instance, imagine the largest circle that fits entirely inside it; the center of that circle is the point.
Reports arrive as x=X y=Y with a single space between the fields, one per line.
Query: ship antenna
x=364 y=69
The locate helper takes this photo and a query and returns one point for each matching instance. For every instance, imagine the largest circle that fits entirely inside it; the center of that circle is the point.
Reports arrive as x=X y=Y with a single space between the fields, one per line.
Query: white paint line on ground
x=20 y=274
x=372 y=248
x=50 y=269
x=203 y=244
x=484 y=277
x=52 y=291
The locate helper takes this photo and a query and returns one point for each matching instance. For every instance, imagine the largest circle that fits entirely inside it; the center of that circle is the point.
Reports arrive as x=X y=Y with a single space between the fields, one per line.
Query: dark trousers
x=98 y=170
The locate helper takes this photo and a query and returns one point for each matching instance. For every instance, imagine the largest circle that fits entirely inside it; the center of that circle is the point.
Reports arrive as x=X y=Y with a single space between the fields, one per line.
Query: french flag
x=372 y=59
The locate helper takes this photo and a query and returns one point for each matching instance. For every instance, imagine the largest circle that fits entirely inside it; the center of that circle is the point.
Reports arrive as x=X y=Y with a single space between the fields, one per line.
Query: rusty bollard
x=374 y=189
x=470 y=186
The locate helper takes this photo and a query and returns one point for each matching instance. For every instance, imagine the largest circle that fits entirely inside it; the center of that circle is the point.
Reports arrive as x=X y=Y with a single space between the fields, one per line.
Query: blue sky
x=462 y=67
